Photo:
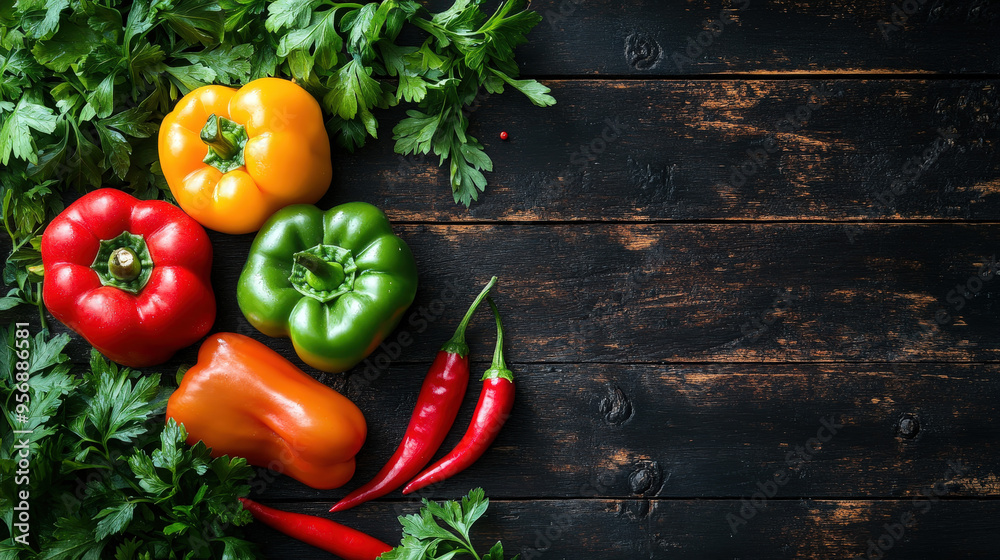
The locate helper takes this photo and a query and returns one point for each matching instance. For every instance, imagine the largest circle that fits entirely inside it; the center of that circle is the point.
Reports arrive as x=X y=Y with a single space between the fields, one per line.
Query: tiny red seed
x=503 y=135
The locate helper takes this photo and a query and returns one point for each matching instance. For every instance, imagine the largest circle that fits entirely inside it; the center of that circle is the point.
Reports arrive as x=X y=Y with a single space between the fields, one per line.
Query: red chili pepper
x=349 y=544
x=495 y=402
x=437 y=406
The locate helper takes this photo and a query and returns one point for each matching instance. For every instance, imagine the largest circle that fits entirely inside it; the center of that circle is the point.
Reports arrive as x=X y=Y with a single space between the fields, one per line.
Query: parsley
x=107 y=478
x=84 y=86
x=347 y=55
x=441 y=531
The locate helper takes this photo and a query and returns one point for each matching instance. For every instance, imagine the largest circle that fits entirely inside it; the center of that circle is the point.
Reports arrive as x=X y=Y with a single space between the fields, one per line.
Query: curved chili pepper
x=437 y=406
x=493 y=409
x=349 y=544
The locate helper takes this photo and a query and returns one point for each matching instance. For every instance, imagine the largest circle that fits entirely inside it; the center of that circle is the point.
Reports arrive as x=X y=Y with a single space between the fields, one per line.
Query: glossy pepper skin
x=437 y=406
x=347 y=543
x=130 y=276
x=493 y=409
x=233 y=157
x=244 y=399
x=335 y=282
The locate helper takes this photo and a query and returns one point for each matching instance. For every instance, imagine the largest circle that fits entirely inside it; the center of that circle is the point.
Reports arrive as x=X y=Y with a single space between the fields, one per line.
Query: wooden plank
x=703 y=431
x=653 y=37
x=692 y=292
x=825 y=149
x=671 y=529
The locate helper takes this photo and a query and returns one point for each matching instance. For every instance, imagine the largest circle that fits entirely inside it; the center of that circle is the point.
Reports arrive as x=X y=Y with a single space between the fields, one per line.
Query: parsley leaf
x=289 y=13
x=469 y=52
x=196 y=21
x=443 y=531
x=231 y=65
x=352 y=89
x=15 y=134
x=319 y=41
x=536 y=92
x=84 y=86
x=114 y=477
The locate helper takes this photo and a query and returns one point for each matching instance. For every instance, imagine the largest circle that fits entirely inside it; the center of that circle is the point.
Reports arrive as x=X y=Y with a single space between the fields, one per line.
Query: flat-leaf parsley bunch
x=348 y=55
x=107 y=477
x=84 y=85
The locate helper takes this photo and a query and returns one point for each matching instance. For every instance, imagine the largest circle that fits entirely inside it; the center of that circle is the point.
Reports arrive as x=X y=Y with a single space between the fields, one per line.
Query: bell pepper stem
x=221 y=139
x=457 y=344
x=124 y=264
x=321 y=275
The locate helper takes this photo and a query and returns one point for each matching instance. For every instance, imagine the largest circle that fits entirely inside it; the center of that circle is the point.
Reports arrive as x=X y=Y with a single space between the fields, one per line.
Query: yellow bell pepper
x=233 y=157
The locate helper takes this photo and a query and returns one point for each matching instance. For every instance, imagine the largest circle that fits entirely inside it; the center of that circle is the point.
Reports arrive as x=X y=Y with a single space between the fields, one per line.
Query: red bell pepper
x=130 y=276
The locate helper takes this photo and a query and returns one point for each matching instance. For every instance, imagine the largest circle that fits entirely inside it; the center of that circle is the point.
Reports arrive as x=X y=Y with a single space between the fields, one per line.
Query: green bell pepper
x=336 y=282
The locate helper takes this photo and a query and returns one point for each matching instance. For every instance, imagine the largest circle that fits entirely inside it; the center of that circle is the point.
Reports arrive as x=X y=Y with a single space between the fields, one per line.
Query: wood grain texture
x=702 y=431
x=665 y=150
x=674 y=37
x=670 y=529
x=691 y=292
x=703 y=261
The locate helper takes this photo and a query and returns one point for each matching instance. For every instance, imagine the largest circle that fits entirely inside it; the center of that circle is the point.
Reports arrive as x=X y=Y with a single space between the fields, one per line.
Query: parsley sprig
x=347 y=55
x=84 y=86
x=442 y=531
x=108 y=479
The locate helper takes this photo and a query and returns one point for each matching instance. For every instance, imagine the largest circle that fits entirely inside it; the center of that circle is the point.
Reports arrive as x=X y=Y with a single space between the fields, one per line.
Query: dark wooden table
x=745 y=265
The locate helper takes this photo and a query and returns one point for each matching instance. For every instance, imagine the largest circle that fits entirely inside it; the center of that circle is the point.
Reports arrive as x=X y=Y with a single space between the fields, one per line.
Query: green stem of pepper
x=225 y=140
x=223 y=144
x=457 y=344
x=124 y=264
x=498 y=370
x=321 y=275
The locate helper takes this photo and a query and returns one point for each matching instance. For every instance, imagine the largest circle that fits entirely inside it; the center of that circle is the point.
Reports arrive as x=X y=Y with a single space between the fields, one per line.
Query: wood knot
x=646 y=478
x=907 y=427
x=616 y=407
x=641 y=52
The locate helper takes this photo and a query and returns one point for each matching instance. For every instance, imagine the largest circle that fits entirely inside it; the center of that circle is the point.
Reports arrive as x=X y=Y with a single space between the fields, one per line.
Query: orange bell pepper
x=244 y=399
x=233 y=157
